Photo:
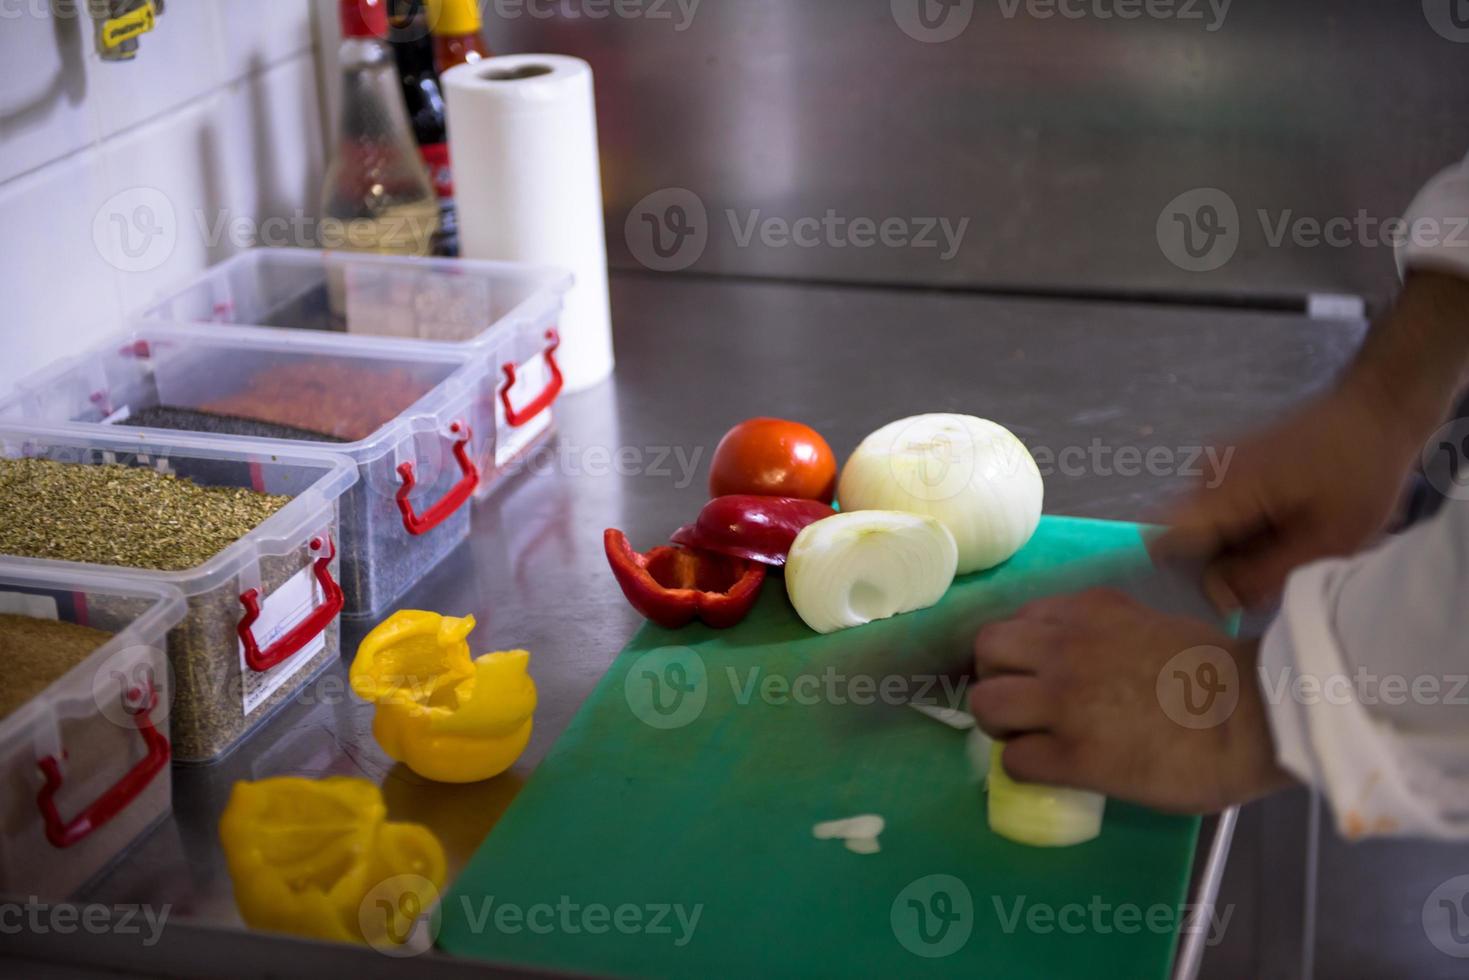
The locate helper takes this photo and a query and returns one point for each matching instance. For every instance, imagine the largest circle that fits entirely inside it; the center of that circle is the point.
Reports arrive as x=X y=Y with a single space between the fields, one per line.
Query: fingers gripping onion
x=854 y=568
x=972 y=474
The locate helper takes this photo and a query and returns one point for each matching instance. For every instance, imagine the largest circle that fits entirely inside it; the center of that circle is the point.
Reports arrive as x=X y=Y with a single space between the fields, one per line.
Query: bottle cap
x=454 y=17
x=364 y=18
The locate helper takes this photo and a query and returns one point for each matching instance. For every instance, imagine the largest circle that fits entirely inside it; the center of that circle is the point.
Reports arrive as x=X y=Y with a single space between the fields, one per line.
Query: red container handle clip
x=545 y=398
x=303 y=632
x=63 y=833
x=417 y=524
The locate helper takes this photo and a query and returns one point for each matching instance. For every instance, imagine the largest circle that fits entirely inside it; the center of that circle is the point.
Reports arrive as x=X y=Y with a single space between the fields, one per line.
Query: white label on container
x=279 y=611
x=28 y=604
x=121 y=415
x=531 y=379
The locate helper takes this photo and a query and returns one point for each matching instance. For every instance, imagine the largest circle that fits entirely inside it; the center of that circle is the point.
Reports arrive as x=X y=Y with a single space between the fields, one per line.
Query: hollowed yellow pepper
x=318 y=858
x=447 y=717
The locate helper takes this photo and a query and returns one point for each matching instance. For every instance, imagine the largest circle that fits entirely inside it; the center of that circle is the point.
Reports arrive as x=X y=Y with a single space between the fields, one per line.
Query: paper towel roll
x=528 y=186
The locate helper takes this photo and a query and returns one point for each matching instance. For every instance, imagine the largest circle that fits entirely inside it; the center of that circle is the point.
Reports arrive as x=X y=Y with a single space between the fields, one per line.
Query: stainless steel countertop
x=1099 y=386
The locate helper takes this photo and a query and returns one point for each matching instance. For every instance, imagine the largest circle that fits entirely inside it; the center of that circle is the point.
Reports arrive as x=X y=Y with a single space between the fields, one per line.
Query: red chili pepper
x=673 y=586
x=749 y=526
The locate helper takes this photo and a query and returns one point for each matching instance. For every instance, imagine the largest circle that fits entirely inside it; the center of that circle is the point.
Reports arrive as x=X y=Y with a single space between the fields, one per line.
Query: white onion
x=958 y=720
x=972 y=474
x=979 y=747
x=859 y=834
x=854 y=568
x=1041 y=816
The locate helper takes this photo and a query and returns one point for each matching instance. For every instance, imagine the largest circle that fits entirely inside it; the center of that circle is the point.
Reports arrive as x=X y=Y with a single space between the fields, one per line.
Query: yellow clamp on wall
x=113 y=32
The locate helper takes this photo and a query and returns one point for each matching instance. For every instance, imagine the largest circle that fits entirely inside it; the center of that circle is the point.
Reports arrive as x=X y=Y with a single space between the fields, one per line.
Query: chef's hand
x=1323 y=483
x=1326 y=482
x=1095 y=691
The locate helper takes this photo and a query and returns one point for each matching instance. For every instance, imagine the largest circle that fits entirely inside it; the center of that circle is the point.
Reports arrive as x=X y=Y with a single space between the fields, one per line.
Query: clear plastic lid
x=361 y=397
x=146 y=612
x=457 y=301
x=312 y=479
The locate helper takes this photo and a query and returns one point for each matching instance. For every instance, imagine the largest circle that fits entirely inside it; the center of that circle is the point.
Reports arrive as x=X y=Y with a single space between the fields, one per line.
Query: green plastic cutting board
x=681 y=785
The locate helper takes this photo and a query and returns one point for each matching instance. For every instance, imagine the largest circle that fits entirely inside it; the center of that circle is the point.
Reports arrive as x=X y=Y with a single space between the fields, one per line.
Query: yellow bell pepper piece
x=306 y=855
x=447 y=717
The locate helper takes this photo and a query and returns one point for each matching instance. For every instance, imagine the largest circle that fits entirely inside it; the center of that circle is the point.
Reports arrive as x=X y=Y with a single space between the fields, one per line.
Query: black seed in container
x=218 y=423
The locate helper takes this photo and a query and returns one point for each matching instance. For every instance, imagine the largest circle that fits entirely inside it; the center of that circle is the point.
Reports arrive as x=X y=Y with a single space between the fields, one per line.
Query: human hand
x=1095 y=691
x=1325 y=482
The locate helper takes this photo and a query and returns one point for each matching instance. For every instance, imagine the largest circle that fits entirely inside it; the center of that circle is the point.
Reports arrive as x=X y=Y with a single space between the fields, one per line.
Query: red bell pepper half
x=749 y=526
x=673 y=586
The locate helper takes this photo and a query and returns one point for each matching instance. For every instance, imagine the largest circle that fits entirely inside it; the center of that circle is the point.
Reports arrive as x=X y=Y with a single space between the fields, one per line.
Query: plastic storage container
x=84 y=764
x=505 y=310
x=416 y=469
x=262 y=615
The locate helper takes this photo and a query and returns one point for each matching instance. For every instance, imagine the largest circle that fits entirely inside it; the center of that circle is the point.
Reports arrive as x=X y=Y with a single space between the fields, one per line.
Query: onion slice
x=979 y=748
x=854 y=568
x=859 y=834
x=1041 y=816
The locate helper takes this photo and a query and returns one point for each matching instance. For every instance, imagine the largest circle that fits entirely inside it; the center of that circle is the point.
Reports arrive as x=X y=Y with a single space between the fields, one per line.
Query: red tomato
x=774 y=458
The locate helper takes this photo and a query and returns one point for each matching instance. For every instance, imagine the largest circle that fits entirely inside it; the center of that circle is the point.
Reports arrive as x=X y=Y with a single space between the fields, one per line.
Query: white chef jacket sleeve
x=1365 y=673
x=1365 y=676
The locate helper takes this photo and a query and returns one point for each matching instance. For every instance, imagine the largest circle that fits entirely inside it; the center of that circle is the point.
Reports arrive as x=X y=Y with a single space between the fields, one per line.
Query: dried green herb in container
x=135 y=513
x=418 y=421
x=121 y=515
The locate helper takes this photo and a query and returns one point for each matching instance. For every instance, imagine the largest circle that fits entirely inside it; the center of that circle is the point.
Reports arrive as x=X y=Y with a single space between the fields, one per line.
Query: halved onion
x=1041 y=816
x=854 y=568
x=972 y=474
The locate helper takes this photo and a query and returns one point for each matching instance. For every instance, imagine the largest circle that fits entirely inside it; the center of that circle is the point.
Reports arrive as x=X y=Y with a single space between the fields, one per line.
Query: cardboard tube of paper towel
x=528 y=186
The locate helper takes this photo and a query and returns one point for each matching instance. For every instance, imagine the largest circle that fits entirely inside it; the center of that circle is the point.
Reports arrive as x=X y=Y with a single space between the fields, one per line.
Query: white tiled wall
x=118 y=180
